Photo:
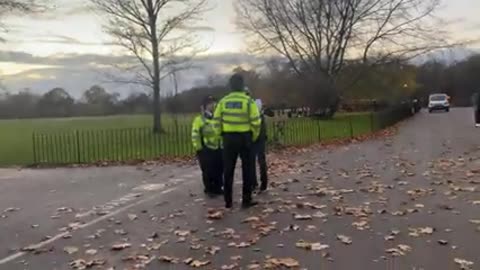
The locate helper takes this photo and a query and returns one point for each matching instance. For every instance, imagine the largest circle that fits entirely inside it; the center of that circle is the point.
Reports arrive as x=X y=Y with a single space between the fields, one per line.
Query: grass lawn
x=88 y=139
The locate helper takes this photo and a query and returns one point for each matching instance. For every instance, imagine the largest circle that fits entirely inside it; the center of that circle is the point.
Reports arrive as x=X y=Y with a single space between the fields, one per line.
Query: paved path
x=406 y=202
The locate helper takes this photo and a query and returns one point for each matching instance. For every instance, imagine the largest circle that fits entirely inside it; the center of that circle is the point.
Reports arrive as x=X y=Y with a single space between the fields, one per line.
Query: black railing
x=88 y=146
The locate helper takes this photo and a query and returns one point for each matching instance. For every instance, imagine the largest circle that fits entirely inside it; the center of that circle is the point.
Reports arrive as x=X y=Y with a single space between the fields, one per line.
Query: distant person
x=207 y=145
x=476 y=109
x=237 y=119
x=260 y=149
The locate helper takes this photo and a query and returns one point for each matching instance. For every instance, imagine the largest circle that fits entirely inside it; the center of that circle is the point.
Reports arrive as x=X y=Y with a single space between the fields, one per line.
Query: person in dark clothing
x=476 y=108
x=237 y=119
x=260 y=147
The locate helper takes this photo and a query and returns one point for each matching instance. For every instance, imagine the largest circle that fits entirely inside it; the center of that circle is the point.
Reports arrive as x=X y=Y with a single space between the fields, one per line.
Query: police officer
x=237 y=118
x=260 y=148
x=207 y=145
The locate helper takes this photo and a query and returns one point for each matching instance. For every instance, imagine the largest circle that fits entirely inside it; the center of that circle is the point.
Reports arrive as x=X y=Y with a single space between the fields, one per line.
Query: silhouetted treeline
x=57 y=102
x=277 y=86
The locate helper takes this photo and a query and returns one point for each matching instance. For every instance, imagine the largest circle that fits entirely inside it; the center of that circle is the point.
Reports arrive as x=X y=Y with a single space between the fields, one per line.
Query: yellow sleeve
x=196 y=137
x=255 y=120
x=217 y=119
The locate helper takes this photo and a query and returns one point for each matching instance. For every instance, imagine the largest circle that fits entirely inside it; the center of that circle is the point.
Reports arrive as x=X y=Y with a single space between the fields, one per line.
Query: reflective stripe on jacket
x=203 y=129
x=237 y=112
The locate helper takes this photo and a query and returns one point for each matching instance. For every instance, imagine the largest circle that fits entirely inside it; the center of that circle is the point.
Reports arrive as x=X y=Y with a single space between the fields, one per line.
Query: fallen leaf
x=445 y=207
x=389 y=238
x=78 y=264
x=81 y=264
x=195 y=247
x=443 y=242
x=251 y=219
x=213 y=250
x=182 y=233
x=398 y=213
x=70 y=250
x=168 y=259
x=405 y=248
x=11 y=209
x=344 y=239
x=361 y=225
x=132 y=217
x=254 y=266
x=279 y=262
x=198 y=263
x=475 y=221
x=91 y=252
x=302 y=244
x=120 y=246
x=464 y=264
x=302 y=217
x=120 y=232
x=228 y=267
x=319 y=214
x=215 y=214
x=400 y=250
x=318 y=247
x=427 y=230
x=292 y=228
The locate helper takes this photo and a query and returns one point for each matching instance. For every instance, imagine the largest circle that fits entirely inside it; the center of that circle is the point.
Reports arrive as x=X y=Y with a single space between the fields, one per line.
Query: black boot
x=246 y=205
x=263 y=186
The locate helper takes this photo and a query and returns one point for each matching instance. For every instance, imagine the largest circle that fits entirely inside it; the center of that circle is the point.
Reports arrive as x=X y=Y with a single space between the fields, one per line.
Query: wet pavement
x=409 y=201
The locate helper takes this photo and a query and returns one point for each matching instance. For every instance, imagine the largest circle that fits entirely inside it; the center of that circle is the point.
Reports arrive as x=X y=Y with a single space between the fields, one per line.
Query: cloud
x=59 y=9
x=77 y=72
x=59 y=39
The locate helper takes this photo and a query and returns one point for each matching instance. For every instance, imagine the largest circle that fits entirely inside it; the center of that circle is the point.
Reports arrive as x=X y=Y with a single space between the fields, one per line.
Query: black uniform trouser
x=212 y=169
x=234 y=145
x=260 y=157
x=477 y=115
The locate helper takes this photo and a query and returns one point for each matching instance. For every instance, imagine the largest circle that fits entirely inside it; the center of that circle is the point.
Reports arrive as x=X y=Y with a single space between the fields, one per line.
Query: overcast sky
x=65 y=48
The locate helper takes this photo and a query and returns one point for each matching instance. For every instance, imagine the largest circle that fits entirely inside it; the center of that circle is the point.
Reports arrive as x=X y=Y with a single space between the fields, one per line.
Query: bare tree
x=319 y=37
x=158 y=34
x=9 y=7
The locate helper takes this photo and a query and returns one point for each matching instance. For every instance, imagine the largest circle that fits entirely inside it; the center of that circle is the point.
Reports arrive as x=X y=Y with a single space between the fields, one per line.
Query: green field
x=89 y=139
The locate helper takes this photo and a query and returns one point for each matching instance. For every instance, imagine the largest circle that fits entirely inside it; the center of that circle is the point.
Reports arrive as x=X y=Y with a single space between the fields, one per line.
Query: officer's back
x=237 y=119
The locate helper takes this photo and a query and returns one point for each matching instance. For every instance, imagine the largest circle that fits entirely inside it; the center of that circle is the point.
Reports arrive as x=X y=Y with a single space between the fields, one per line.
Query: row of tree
x=58 y=102
x=330 y=47
x=278 y=87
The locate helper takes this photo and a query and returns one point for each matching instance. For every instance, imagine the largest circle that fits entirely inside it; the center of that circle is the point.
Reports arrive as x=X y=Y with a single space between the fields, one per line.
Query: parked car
x=438 y=102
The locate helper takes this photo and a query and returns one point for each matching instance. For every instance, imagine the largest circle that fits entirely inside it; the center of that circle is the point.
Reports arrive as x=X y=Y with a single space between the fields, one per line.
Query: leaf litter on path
x=120 y=246
x=400 y=250
x=70 y=250
x=275 y=263
x=463 y=264
x=311 y=246
x=344 y=239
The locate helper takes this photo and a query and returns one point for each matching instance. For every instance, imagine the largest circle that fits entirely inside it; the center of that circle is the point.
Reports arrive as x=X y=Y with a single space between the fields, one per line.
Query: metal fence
x=88 y=146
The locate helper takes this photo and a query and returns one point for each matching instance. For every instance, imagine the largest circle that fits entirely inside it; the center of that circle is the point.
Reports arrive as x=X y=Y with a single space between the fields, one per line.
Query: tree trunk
x=157 y=124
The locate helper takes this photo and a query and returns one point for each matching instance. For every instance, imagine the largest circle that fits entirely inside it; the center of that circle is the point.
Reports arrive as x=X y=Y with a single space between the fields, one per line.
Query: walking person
x=260 y=147
x=237 y=119
x=207 y=145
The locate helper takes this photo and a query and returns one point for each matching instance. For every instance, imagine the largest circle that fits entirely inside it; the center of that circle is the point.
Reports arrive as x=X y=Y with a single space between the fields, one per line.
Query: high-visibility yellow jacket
x=237 y=112
x=204 y=135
